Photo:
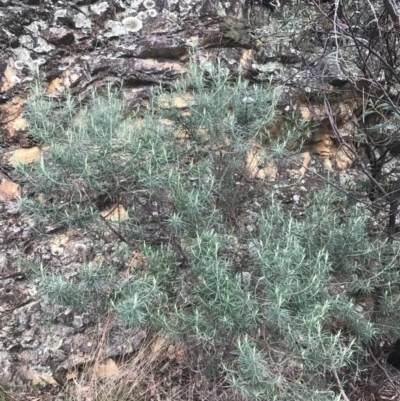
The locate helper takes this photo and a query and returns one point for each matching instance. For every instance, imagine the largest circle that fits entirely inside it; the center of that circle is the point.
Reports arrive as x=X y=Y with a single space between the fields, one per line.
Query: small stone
x=9 y=190
x=246 y=277
x=24 y=155
x=58 y=36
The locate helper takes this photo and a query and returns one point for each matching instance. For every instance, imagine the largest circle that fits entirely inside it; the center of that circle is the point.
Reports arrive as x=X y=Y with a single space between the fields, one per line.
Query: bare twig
x=390 y=6
x=383 y=369
x=340 y=386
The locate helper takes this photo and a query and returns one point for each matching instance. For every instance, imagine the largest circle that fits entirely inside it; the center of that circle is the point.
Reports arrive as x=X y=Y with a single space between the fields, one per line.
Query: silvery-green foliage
x=182 y=164
x=85 y=289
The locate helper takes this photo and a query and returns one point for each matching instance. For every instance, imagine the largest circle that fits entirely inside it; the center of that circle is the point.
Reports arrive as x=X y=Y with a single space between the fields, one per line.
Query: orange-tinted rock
x=15 y=126
x=69 y=77
x=11 y=109
x=39 y=379
x=348 y=129
x=176 y=100
x=9 y=190
x=344 y=158
x=137 y=260
x=11 y=116
x=255 y=168
x=322 y=149
x=310 y=112
x=322 y=143
x=306 y=161
x=108 y=369
x=24 y=155
x=246 y=59
x=341 y=113
x=9 y=77
x=115 y=213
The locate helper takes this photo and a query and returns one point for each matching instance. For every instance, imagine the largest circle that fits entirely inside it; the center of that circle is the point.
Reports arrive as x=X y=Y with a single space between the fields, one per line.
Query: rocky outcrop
x=81 y=45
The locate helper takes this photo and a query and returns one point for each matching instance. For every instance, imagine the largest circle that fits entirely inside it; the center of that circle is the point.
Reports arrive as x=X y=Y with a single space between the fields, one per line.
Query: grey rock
x=58 y=36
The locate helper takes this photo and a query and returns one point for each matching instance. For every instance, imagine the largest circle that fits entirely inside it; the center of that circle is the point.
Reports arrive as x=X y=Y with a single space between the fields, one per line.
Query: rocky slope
x=82 y=45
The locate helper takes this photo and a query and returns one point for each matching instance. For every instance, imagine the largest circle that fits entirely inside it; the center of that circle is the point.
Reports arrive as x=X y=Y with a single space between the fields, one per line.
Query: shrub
x=274 y=301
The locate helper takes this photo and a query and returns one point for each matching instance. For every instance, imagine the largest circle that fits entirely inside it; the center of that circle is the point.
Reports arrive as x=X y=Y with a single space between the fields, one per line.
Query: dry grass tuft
x=160 y=370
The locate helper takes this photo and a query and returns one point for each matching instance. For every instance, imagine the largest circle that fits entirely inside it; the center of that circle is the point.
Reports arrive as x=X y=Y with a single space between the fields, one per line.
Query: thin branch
x=390 y=6
x=383 y=369
x=340 y=386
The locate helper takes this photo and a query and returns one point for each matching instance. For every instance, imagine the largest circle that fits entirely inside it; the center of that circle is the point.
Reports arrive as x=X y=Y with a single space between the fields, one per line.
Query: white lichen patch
x=36 y=26
x=22 y=56
x=129 y=12
x=221 y=10
x=142 y=15
x=80 y=248
x=172 y=17
x=115 y=28
x=60 y=14
x=81 y=21
x=149 y=4
x=136 y=3
x=100 y=8
x=132 y=24
x=152 y=13
x=185 y=6
x=38 y=45
x=269 y=67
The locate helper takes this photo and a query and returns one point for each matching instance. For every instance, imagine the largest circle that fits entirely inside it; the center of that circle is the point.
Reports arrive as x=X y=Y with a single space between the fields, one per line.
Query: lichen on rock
x=132 y=24
x=81 y=21
x=149 y=4
x=115 y=28
x=152 y=13
x=100 y=8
